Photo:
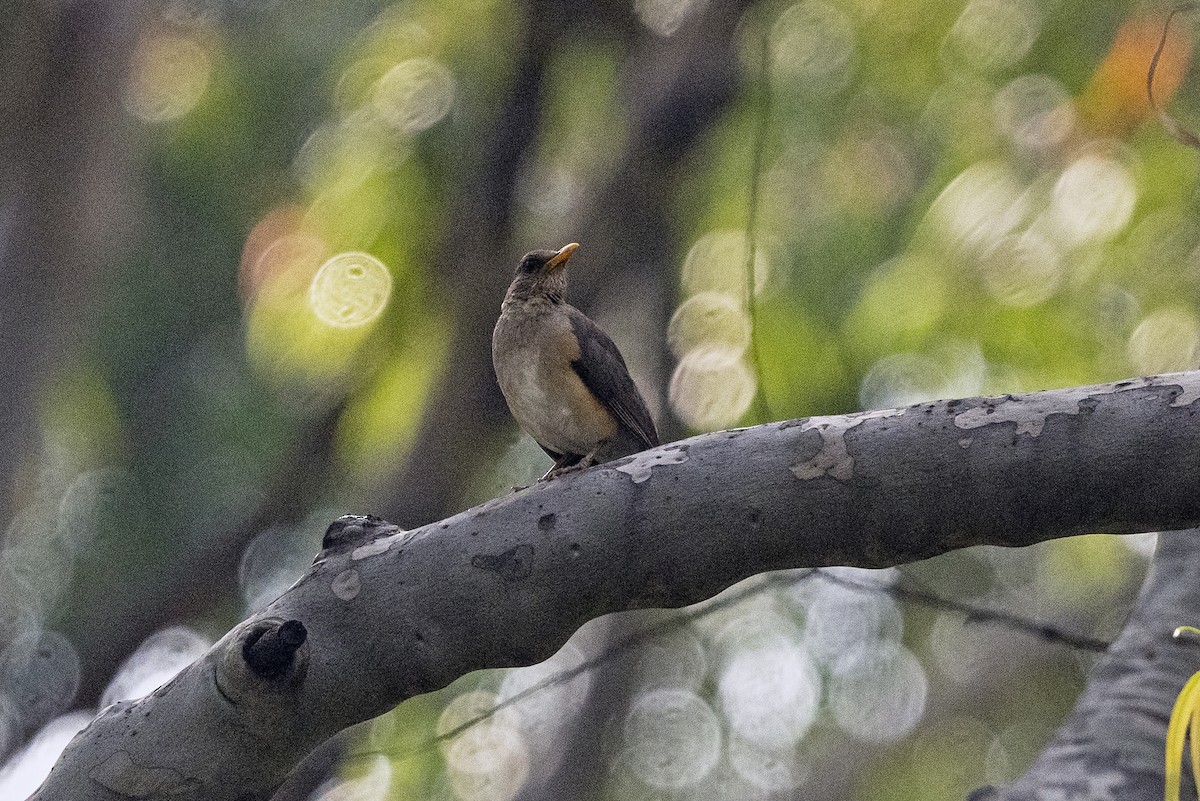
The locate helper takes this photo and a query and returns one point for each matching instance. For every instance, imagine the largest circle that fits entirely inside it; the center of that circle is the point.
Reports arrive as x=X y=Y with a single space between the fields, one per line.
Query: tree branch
x=391 y=614
x=1112 y=745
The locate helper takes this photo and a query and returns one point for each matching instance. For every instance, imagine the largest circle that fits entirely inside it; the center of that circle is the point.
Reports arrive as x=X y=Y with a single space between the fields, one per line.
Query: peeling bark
x=389 y=614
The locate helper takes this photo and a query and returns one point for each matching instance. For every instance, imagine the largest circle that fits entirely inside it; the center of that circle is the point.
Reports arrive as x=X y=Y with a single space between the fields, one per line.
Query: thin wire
x=670 y=624
x=914 y=594
x=762 y=406
x=1172 y=126
x=975 y=613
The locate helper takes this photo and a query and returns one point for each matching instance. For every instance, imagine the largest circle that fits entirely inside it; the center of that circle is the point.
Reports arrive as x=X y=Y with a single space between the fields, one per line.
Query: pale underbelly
x=558 y=411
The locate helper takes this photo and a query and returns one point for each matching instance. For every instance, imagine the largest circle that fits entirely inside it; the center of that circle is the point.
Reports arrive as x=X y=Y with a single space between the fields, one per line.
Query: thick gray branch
x=1112 y=745
x=392 y=616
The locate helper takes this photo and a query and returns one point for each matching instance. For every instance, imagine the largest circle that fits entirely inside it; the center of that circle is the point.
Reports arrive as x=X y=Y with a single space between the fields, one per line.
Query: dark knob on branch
x=271 y=651
x=350 y=531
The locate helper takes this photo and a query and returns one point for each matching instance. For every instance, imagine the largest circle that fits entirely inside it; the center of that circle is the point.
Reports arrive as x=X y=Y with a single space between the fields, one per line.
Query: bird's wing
x=603 y=371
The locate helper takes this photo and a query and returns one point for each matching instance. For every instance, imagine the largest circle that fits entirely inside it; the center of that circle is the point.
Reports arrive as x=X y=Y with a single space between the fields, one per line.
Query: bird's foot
x=560 y=469
x=555 y=472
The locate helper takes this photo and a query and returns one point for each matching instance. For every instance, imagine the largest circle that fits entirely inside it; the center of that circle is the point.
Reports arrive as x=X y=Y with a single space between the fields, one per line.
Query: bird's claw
x=582 y=464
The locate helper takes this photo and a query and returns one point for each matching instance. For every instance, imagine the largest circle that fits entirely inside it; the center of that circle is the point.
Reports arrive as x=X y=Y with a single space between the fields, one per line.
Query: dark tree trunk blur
x=64 y=201
x=65 y=214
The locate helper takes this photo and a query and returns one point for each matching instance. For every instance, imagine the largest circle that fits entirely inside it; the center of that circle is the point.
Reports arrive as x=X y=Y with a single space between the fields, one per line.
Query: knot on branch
x=350 y=531
x=261 y=669
x=270 y=648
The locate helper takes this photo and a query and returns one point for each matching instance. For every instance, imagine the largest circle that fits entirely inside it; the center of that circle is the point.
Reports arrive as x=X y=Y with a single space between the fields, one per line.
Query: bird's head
x=543 y=272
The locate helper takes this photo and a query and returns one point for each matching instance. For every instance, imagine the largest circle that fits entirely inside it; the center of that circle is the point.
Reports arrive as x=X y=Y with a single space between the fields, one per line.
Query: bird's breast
x=532 y=353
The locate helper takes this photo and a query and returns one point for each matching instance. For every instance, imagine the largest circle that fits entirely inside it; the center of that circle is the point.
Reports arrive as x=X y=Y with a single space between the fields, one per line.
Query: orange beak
x=560 y=259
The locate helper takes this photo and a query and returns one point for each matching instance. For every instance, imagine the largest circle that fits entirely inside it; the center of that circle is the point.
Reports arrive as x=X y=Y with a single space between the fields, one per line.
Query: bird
x=564 y=380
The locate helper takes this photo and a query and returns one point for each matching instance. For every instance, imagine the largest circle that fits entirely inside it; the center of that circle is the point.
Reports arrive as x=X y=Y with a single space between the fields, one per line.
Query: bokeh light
x=840 y=620
x=280 y=254
x=769 y=694
x=27 y=769
x=981 y=206
x=490 y=760
x=342 y=155
x=1141 y=544
x=155 y=662
x=1035 y=112
x=902 y=302
x=868 y=175
x=350 y=290
x=961 y=650
x=814 y=48
x=551 y=193
x=288 y=262
x=955 y=370
x=723 y=783
x=1166 y=340
x=272 y=560
x=373 y=785
x=711 y=388
x=395 y=35
x=713 y=384
x=414 y=95
x=43 y=669
x=717 y=263
x=756 y=622
x=992 y=35
x=674 y=659
x=353 y=208
x=672 y=738
x=878 y=693
x=1093 y=199
x=709 y=321
x=168 y=76
x=84 y=503
x=40 y=668
x=33 y=573
x=1022 y=270
x=665 y=16
x=770 y=770
x=541 y=716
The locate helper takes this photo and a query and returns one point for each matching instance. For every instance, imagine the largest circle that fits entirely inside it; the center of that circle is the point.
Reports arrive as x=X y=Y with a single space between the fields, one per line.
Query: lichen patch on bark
x=346 y=585
x=640 y=467
x=834 y=459
x=1030 y=412
x=1191 y=391
x=120 y=774
x=381 y=545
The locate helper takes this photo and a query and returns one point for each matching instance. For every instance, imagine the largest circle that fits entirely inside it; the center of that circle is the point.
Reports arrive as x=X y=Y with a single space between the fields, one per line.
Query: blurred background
x=251 y=254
